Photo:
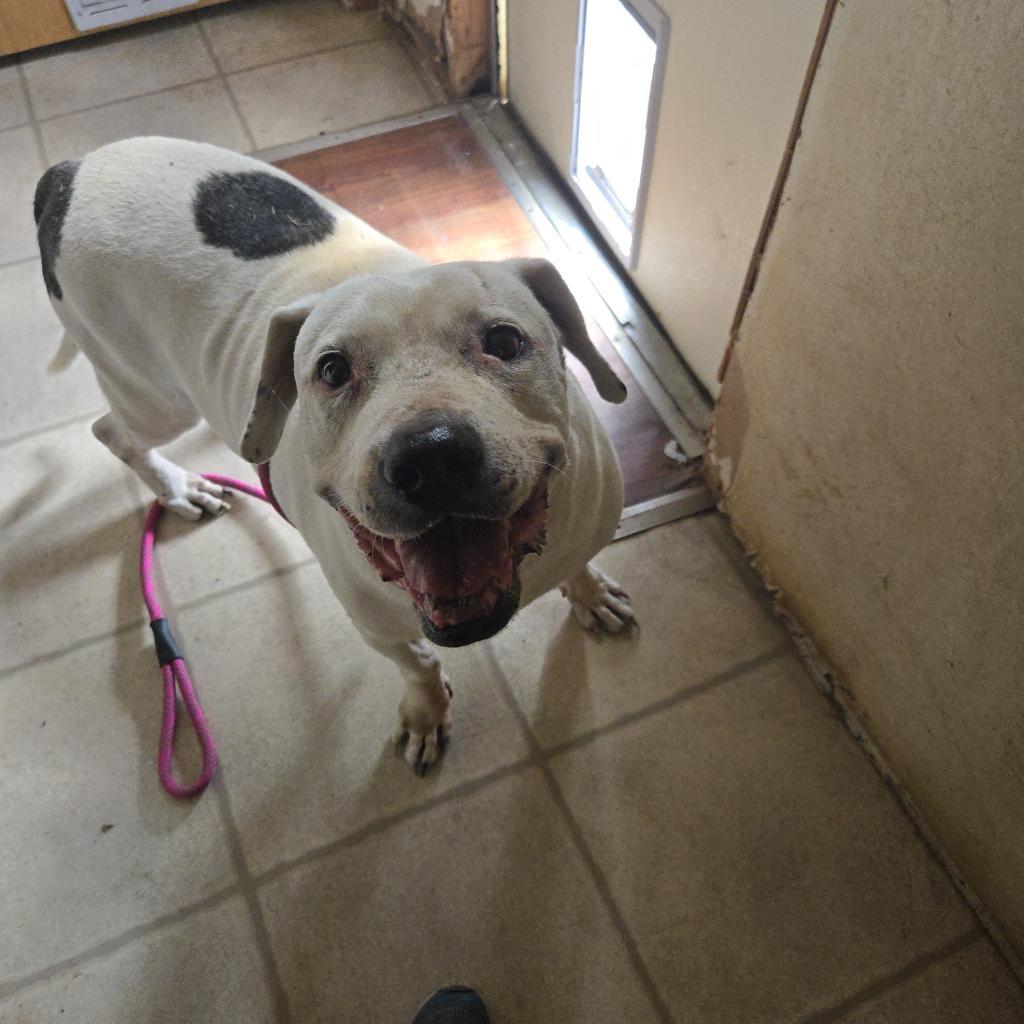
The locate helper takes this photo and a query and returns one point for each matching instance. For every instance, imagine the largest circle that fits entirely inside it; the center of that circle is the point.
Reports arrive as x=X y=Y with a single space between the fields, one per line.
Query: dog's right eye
x=333 y=370
x=503 y=342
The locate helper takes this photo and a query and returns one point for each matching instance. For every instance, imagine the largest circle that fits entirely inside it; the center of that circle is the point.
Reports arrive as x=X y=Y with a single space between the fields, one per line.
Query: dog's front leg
x=598 y=602
x=424 y=721
x=187 y=494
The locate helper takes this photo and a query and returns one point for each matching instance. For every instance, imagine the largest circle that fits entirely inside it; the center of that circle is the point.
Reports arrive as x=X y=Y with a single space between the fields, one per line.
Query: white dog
x=423 y=427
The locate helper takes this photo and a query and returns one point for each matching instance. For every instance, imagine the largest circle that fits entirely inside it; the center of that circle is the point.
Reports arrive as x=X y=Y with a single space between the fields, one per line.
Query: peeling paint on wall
x=454 y=35
x=728 y=432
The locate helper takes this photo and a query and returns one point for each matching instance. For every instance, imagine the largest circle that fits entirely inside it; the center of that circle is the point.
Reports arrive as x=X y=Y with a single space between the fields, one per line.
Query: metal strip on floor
x=365 y=131
x=667 y=509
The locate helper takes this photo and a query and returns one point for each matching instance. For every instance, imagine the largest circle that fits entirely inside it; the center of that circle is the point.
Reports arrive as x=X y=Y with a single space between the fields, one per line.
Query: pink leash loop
x=172 y=663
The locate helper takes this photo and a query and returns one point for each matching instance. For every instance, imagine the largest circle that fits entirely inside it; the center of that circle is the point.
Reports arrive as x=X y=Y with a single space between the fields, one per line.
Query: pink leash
x=172 y=663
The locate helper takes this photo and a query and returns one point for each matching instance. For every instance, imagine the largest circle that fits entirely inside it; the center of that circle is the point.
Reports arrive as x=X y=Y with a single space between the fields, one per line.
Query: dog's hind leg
x=598 y=602
x=176 y=489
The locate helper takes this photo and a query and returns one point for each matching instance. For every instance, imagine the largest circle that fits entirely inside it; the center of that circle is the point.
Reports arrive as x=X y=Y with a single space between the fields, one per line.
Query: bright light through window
x=616 y=73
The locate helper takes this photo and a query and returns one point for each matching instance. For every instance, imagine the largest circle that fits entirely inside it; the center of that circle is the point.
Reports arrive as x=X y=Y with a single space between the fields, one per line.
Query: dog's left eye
x=333 y=370
x=503 y=342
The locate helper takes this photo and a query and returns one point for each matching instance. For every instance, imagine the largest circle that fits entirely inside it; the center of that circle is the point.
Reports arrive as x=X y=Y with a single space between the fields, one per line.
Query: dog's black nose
x=433 y=461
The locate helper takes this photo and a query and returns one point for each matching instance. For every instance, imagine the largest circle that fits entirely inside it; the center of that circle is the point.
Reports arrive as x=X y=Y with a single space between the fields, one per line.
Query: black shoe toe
x=453 y=1005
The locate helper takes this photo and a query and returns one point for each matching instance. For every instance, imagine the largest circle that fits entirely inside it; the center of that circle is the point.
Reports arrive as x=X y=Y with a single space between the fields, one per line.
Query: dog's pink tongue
x=458 y=557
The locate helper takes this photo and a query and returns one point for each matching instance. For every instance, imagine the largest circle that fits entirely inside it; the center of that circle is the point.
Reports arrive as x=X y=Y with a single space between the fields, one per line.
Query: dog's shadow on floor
x=49 y=554
x=44 y=532
x=562 y=687
x=25 y=503
x=564 y=699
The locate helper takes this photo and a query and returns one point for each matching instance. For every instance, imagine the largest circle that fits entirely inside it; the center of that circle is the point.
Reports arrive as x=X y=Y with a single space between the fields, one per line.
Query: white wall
x=733 y=77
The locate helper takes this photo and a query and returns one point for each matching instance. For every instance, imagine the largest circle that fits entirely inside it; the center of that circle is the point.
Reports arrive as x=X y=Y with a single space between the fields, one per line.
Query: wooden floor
x=431 y=188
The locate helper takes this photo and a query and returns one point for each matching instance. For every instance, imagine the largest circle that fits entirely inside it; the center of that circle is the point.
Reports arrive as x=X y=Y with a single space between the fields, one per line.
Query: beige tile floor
x=672 y=827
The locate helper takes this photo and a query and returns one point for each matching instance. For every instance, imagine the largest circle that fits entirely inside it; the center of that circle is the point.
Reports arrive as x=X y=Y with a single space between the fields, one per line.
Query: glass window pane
x=615 y=95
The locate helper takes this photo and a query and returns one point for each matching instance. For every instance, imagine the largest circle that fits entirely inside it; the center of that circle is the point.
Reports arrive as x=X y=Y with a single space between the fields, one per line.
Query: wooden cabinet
x=26 y=24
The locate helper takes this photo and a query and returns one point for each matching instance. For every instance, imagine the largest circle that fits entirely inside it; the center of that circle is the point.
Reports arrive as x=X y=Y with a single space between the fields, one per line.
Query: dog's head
x=433 y=408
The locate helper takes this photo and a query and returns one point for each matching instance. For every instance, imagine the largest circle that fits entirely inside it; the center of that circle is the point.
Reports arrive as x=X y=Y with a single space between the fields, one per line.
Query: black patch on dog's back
x=50 y=207
x=256 y=214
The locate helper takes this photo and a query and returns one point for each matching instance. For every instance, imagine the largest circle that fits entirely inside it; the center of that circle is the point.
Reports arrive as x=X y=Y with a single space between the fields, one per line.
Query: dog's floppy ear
x=276 y=391
x=553 y=294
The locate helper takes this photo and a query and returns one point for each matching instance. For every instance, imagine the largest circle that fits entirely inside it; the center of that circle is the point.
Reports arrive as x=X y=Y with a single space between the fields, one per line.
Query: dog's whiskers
x=331 y=496
x=278 y=399
x=552 y=467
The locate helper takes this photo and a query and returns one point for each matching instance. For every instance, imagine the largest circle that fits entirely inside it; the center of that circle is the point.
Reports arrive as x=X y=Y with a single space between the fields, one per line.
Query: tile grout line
x=604 y=891
x=8 y=442
x=305 y=56
x=680 y=696
x=21 y=259
x=536 y=758
x=237 y=588
x=205 y=79
x=597 y=876
x=379 y=825
x=166 y=601
x=248 y=889
x=834 y=1014
x=232 y=98
x=309 y=53
x=88 y=641
x=110 y=946
x=33 y=120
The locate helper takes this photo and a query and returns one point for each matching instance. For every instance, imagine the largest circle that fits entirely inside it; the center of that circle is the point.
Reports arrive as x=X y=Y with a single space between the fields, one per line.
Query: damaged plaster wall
x=454 y=35
x=869 y=438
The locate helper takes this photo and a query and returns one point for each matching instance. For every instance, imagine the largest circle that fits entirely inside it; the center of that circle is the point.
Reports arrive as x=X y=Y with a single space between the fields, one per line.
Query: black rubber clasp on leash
x=167 y=649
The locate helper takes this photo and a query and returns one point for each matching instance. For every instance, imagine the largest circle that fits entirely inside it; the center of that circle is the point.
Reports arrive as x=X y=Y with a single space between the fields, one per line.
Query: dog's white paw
x=424 y=725
x=190 y=496
x=598 y=602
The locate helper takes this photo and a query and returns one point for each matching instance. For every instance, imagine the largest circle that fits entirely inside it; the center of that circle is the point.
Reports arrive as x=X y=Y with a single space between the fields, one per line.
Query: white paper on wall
x=87 y=14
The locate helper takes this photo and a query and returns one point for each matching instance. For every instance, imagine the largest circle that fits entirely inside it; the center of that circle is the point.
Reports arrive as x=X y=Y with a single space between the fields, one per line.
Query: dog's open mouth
x=462 y=573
